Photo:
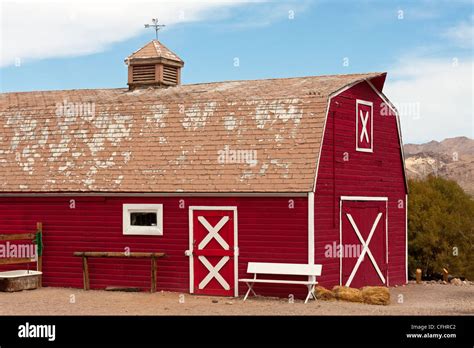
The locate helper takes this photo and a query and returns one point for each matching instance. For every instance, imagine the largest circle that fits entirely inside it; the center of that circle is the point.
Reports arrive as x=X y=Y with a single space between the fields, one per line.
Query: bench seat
x=302 y=282
x=286 y=269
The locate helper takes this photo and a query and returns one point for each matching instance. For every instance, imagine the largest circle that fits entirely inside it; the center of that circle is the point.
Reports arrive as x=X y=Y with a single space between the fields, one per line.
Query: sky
x=425 y=46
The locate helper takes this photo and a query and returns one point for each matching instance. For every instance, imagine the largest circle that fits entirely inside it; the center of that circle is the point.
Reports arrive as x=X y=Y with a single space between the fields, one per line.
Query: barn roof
x=236 y=136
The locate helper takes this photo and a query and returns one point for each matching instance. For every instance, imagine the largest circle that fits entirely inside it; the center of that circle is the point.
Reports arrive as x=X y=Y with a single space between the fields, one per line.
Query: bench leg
x=310 y=293
x=249 y=290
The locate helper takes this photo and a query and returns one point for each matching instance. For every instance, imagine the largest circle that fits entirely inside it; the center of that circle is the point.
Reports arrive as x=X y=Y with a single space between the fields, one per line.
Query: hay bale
x=377 y=295
x=456 y=281
x=344 y=293
x=324 y=294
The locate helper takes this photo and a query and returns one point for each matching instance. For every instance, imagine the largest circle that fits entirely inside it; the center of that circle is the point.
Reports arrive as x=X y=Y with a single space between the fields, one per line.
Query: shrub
x=440 y=228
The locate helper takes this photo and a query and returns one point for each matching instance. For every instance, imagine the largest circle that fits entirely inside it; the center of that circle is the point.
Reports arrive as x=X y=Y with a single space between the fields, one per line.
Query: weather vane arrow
x=155 y=25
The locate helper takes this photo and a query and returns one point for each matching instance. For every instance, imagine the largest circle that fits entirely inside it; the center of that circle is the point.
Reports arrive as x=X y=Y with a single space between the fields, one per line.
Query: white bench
x=256 y=268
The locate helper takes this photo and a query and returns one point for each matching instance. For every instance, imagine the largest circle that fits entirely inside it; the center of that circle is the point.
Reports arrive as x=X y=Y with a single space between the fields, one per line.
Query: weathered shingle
x=177 y=139
x=154 y=49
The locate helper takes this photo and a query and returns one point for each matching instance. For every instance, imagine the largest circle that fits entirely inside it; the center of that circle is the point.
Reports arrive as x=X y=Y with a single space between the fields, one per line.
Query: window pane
x=143 y=219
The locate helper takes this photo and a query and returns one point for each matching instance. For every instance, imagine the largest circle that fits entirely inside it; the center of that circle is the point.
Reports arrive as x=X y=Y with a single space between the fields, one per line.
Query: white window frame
x=128 y=229
x=367 y=103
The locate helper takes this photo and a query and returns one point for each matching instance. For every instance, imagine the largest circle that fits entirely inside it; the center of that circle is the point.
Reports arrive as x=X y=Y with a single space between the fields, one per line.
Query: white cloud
x=462 y=34
x=441 y=90
x=38 y=29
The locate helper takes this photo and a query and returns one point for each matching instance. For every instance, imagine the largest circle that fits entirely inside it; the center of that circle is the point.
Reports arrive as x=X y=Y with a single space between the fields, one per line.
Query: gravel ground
x=422 y=299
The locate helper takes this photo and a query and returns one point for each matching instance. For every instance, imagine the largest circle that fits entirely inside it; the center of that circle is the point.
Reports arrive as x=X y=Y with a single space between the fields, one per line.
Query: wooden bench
x=294 y=269
x=129 y=255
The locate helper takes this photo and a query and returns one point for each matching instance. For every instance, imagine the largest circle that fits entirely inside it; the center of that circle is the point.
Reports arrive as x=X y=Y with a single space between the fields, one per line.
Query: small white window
x=143 y=219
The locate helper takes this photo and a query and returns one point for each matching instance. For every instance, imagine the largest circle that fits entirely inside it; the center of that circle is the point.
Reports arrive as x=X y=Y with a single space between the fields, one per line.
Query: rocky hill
x=452 y=158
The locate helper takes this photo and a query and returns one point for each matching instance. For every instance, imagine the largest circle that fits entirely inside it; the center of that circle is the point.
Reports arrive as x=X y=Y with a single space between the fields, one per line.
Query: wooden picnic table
x=109 y=254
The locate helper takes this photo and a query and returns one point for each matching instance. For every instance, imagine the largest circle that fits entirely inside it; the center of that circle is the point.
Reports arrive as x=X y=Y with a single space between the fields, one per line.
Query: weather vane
x=155 y=25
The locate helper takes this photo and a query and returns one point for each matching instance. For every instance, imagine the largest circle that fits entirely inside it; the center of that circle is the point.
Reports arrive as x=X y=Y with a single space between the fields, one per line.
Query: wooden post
x=418 y=276
x=39 y=264
x=85 y=273
x=445 y=275
x=153 y=274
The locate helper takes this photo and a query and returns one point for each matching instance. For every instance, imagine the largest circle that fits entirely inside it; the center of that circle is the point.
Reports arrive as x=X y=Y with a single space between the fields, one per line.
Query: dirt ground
x=412 y=299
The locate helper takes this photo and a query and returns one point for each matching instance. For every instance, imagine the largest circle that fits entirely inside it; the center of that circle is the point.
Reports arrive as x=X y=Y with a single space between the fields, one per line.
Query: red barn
x=216 y=175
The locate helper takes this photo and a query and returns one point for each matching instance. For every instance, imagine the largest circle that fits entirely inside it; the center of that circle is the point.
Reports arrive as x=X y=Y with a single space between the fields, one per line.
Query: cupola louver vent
x=170 y=74
x=143 y=73
x=153 y=65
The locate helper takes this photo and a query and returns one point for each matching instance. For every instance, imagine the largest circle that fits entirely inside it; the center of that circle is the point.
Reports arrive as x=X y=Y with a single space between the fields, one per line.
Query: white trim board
x=363 y=198
x=189 y=252
x=214 y=207
x=311 y=231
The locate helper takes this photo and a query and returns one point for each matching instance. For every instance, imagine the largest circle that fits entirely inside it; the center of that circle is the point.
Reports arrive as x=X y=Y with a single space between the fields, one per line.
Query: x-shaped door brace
x=364 y=133
x=213 y=232
x=365 y=248
x=214 y=272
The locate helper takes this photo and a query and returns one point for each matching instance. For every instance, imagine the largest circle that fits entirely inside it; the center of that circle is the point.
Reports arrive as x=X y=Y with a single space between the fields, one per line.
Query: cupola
x=153 y=65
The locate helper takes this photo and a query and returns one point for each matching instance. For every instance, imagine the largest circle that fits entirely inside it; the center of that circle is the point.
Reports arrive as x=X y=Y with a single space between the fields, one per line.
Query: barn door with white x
x=365 y=248
x=213 y=245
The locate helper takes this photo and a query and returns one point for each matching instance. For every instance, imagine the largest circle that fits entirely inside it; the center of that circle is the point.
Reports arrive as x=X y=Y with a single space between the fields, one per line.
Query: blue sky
x=411 y=40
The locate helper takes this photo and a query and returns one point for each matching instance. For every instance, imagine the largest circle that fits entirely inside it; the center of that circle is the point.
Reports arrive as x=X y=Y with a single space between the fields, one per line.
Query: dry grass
x=344 y=293
x=377 y=295
x=324 y=294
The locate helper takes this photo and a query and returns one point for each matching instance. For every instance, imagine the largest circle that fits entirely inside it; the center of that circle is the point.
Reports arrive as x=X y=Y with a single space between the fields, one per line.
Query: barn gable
x=237 y=136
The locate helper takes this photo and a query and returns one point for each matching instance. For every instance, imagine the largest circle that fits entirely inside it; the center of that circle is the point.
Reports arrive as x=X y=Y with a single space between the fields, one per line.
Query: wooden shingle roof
x=154 y=49
x=178 y=139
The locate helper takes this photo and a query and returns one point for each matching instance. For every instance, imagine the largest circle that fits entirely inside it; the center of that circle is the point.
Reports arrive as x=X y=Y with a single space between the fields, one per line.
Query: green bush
x=440 y=228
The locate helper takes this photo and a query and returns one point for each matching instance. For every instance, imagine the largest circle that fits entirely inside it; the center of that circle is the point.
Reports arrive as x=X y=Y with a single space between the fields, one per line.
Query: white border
x=311 y=231
x=363 y=199
x=190 y=250
x=129 y=230
x=366 y=103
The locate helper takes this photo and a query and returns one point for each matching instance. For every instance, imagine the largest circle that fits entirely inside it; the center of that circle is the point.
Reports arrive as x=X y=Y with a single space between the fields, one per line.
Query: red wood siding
x=364 y=174
x=269 y=231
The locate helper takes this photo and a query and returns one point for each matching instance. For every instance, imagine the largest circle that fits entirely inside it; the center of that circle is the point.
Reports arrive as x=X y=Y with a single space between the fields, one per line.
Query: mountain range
x=452 y=158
